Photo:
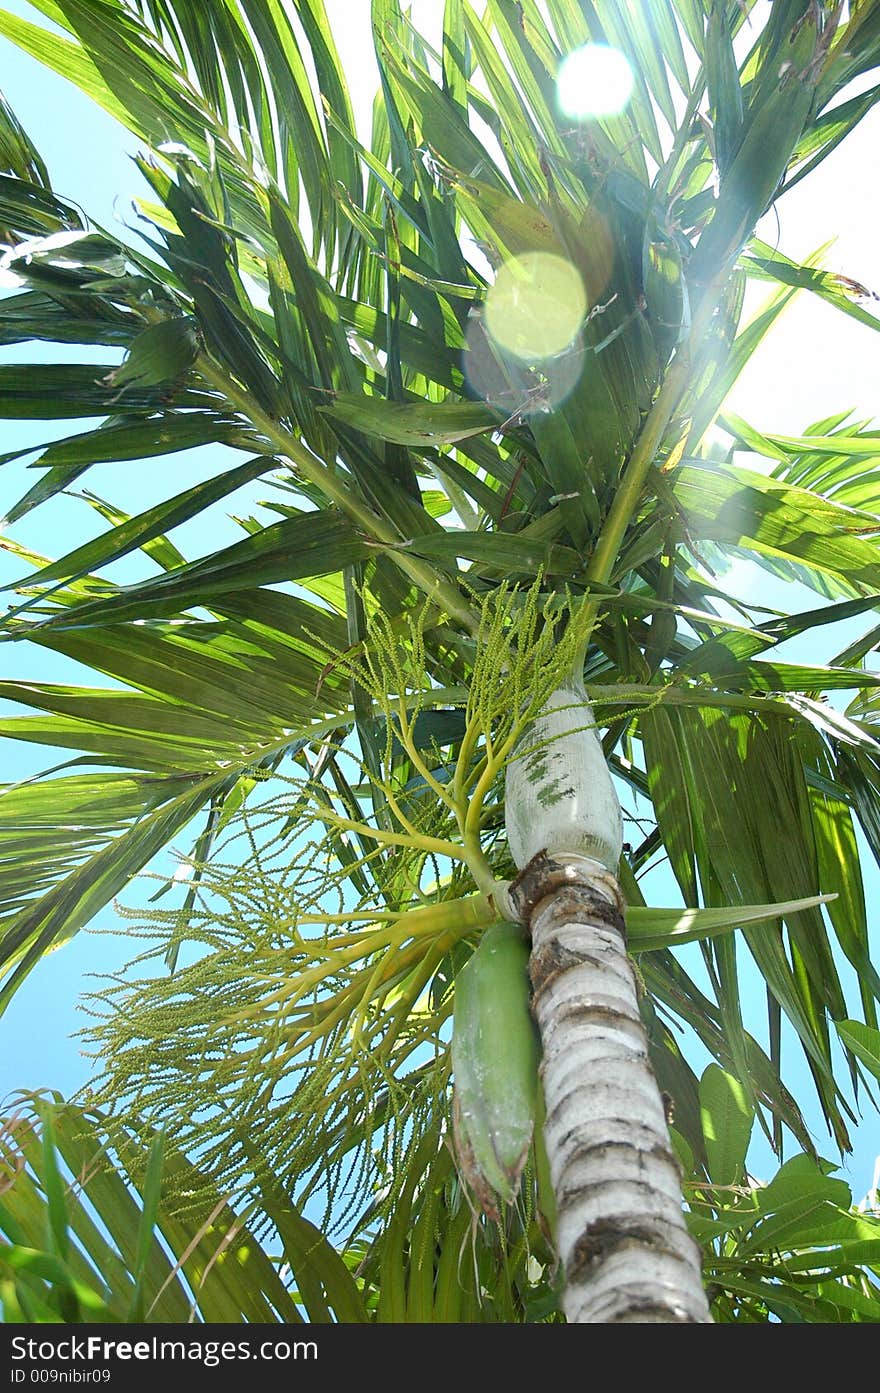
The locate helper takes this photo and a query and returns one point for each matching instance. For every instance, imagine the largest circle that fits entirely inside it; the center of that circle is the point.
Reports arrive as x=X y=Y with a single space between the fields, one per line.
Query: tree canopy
x=472 y=365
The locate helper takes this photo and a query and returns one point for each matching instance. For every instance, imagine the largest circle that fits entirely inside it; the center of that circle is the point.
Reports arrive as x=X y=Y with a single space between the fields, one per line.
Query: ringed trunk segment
x=621 y=1235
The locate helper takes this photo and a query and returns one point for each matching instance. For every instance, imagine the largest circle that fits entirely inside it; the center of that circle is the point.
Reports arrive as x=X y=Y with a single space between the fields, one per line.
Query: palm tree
x=476 y=361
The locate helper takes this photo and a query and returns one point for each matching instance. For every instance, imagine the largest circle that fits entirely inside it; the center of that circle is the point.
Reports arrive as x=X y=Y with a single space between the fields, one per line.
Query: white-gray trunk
x=621 y=1234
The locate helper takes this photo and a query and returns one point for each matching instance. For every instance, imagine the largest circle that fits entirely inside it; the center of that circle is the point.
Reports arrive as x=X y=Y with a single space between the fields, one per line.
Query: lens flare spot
x=513 y=387
x=536 y=306
x=595 y=80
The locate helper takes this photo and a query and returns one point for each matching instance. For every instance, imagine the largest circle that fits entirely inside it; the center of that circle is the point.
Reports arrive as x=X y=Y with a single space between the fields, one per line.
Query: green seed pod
x=495 y=1055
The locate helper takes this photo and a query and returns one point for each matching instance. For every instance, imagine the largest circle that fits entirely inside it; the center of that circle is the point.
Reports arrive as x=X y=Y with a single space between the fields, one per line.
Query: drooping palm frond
x=87 y=1234
x=90 y=1231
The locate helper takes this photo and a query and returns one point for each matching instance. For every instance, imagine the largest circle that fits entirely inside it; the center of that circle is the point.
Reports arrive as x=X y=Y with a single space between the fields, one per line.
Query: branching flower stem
x=344 y=1005
x=409 y=744
x=425 y=921
x=417 y=841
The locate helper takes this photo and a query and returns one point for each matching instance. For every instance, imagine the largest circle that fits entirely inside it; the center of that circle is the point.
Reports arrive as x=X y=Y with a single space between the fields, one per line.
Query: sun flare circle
x=536 y=306
x=595 y=80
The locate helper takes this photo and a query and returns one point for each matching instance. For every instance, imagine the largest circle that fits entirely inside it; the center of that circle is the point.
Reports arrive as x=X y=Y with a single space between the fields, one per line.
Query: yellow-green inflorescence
x=305 y=1029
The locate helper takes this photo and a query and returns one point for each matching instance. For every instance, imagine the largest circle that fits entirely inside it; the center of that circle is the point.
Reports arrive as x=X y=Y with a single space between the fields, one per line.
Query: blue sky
x=89 y=156
x=816 y=363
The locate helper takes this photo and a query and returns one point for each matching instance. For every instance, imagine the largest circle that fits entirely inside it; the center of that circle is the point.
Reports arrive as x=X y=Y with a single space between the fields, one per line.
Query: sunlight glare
x=595 y=80
x=536 y=306
x=512 y=386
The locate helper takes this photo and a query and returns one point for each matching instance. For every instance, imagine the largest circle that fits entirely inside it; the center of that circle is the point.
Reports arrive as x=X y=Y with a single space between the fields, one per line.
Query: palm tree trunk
x=621 y=1234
